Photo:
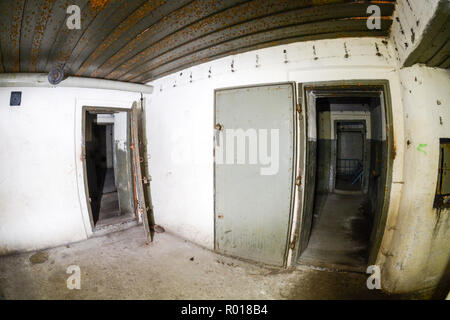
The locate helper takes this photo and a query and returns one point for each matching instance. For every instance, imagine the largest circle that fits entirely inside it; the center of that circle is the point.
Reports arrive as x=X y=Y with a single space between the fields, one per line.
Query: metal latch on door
x=218 y=128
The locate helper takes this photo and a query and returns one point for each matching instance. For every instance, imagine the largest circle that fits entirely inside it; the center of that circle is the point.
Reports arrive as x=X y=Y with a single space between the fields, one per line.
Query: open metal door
x=308 y=135
x=143 y=202
x=254 y=171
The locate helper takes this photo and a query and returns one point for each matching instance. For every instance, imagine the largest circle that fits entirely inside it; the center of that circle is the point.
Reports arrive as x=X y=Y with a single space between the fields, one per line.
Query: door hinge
x=299 y=107
x=293 y=242
x=146 y=180
x=298 y=181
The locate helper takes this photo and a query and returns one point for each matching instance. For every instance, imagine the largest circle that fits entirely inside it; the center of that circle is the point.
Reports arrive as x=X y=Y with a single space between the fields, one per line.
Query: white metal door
x=254 y=164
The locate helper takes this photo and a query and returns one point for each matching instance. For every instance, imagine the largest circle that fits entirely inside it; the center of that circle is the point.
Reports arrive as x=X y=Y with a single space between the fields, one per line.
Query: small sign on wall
x=16 y=98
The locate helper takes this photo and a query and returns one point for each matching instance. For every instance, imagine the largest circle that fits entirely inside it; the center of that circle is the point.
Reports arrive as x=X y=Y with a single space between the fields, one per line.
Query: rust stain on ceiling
x=139 y=40
x=98 y=4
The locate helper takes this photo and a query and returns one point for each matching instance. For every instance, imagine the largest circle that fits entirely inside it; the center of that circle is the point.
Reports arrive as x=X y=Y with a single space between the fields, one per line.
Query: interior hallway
x=340 y=233
x=121 y=266
x=109 y=205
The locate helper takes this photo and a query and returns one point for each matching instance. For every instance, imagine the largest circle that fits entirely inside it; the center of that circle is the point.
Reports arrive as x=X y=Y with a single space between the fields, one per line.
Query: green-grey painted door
x=254 y=163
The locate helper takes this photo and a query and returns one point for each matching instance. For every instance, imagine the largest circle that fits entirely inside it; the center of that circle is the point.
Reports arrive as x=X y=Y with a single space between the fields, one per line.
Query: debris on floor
x=39 y=257
x=118 y=266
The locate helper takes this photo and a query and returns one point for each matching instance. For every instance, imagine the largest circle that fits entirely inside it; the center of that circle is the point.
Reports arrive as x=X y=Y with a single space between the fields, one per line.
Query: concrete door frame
x=100 y=110
x=380 y=88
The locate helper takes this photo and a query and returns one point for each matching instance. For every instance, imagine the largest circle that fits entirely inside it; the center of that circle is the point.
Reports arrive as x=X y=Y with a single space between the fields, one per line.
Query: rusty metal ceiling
x=138 y=41
x=434 y=49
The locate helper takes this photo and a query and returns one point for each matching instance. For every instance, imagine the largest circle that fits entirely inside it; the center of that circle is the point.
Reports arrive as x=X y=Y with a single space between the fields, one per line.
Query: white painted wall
x=417 y=239
x=42 y=197
x=415 y=248
x=181 y=114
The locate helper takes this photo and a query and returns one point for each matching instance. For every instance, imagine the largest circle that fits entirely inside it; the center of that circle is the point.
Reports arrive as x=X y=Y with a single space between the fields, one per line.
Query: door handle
x=218 y=128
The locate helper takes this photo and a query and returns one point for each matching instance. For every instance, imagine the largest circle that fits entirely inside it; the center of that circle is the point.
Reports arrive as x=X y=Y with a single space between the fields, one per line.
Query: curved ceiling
x=139 y=41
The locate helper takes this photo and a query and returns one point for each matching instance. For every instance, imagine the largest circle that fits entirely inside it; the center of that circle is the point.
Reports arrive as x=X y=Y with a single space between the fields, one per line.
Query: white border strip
x=41 y=80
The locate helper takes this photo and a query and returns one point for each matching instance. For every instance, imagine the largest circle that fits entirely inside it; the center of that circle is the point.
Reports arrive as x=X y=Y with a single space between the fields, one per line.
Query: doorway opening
x=350 y=137
x=347 y=167
x=108 y=168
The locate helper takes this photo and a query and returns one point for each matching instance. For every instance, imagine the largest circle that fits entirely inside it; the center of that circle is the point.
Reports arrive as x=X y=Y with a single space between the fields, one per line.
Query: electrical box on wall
x=442 y=199
x=16 y=98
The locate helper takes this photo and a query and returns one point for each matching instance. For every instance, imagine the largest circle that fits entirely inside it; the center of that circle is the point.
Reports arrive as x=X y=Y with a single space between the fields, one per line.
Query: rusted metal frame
x=11 y=14
x=140 y=201
x=126 y=31
x=217 y=21
x=444 y=170
x=146 y=178
x=312 y=31
x=177 y=20
x=114 y=13
x=271 y=22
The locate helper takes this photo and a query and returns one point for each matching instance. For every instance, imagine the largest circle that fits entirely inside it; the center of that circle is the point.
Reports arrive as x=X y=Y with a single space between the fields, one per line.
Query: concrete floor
x=340 y=233
x=120 y=266
x=109 y=205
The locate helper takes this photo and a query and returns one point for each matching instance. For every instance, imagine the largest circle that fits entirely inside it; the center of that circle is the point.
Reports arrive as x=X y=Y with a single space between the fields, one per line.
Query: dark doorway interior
x=350 y=139
x=100 y=169
x=348 y=169
x=108 y=168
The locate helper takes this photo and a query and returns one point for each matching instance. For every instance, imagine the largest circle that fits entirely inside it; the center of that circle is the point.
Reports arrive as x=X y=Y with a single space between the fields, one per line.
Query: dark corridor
x=100 y=172
x=349 y=164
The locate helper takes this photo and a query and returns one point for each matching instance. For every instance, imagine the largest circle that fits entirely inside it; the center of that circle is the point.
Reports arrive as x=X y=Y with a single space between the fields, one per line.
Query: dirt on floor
x=121 y=266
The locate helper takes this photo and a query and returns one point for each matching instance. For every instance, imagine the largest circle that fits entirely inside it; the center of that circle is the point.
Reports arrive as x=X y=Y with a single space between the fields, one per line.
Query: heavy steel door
x=254 y=171
x=143 y=201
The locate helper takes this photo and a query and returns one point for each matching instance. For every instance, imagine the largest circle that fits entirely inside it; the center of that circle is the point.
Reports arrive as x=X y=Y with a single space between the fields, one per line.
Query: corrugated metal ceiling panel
x=138 y=40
